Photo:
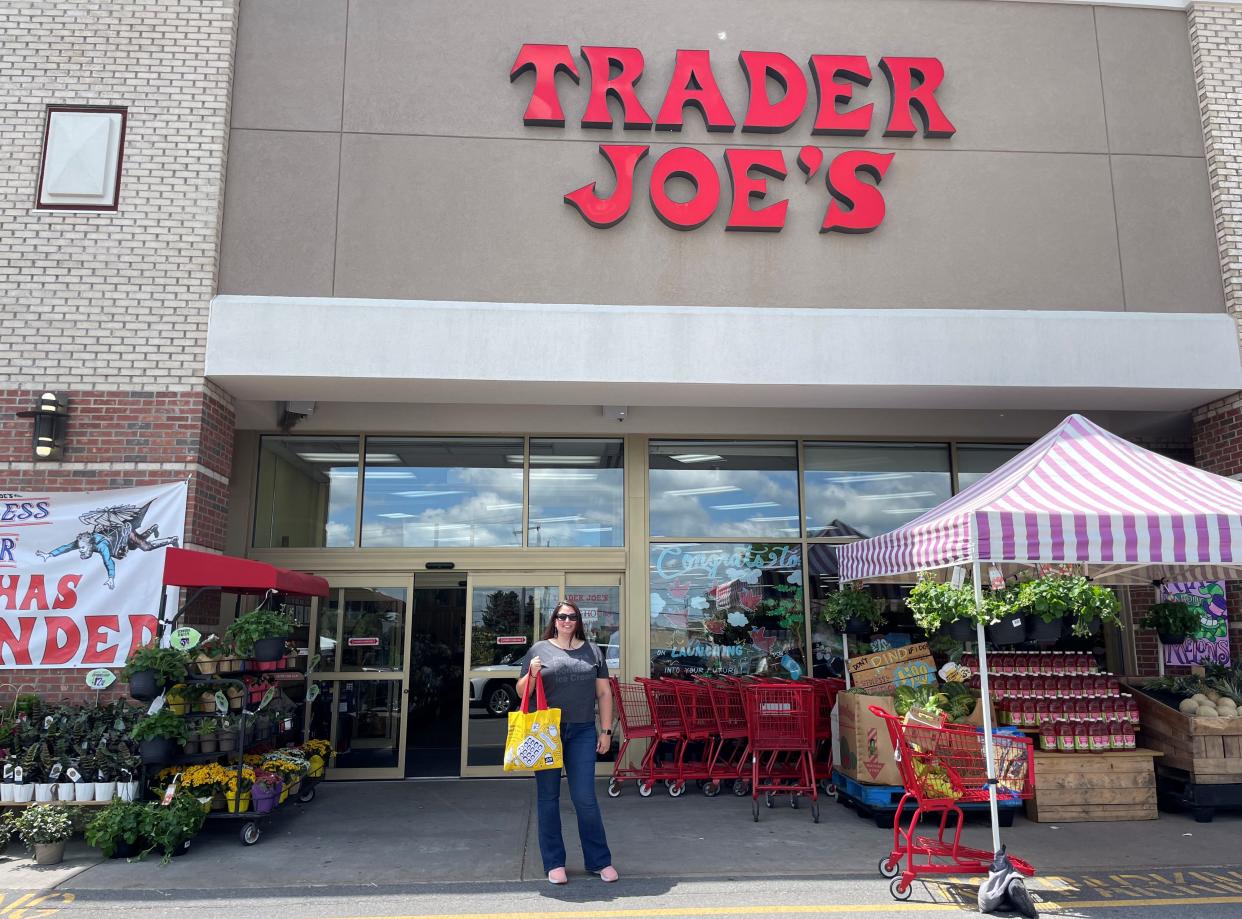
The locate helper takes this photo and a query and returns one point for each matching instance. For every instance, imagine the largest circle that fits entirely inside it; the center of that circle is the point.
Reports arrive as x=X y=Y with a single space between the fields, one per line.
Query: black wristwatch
x=608 y=732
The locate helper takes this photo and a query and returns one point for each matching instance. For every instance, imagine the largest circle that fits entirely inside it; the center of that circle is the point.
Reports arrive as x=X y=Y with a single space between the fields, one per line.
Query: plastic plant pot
x=1009 y=631
x=157 y=750
x=145 y=685
x=1168 y=638
x=268 y=649
x=962 y=630
x=1039 y=630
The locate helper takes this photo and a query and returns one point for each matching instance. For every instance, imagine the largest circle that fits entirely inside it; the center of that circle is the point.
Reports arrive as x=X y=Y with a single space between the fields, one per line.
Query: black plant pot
x=126 y=849
x=1039 y=630
x=268 y=649
x=962 y=630
x=158 y=750
x=856 y=626
x=145 y=685
x=1009 y=631
x=181 y=849
x=1093 y=626
x=1167 y=638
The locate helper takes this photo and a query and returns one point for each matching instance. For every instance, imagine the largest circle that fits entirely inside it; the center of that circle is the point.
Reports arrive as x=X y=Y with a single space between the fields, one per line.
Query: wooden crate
x=1085 y=787
x=1209 y=750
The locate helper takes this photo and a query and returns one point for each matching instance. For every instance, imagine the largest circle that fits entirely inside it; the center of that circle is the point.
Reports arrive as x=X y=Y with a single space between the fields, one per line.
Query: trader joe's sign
x=81 y=573
x=883 y=672
x=853 y=204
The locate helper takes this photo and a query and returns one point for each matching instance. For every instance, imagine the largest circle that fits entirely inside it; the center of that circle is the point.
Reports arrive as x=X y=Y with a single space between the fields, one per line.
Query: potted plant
x=939 y=605
x=226 y=735
x=261 y=634
x=6 y=832
x=1045 y=601
x=265 y=791
x=150 y=668
x=236 y=696
x=105 y=774
x=84 y=784
x=207 y=739
x=170 y=828
x=1095 y=605
x=45 y=828
x=191 y=738
x=237 y=790
x=1173 y=621
x=160 y=736
x=208 y=654
x=852 y=611
x=1006 y=624
x=116 y=831
x=26 y=774
x=127 y=764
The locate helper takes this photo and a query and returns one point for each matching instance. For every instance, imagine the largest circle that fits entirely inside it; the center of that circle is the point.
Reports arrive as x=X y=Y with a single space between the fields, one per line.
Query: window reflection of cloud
x=829 y=501
x=597 y=501
x=682 y=515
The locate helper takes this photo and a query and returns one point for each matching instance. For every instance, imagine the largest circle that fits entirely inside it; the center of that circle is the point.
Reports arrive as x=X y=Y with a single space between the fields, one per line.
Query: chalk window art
x=727 y=608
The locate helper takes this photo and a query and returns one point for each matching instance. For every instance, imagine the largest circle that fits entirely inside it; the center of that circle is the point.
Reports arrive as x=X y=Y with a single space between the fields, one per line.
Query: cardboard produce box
x=866 y=750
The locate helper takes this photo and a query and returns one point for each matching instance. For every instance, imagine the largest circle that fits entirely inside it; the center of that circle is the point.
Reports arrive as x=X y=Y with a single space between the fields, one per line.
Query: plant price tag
x=313 y=693
x=267 y=698
x=186 y=638
x=156 y=704
x=19 y=775
x=287 y=724
x=959 y=576
x=171 y=790
x=8 y=772
x=73 y=775
x=100 y=678
x=222 y=703
x=996 y=578
x=48 y=722
x=54 y=773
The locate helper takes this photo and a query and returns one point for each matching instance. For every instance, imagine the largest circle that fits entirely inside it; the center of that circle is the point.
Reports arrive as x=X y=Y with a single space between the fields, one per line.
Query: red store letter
x=98 y=650
x=620 y=87
x=859 y=207
x=741 y=163
x=607 y=212
x=762 y=114
x=544 y=108
x=825 y=68
x=902 y=74
x=690 y=164
x=693 y=83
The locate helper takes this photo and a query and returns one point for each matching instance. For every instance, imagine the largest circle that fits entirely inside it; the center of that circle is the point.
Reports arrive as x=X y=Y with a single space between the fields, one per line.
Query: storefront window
x=731 y=608
x=974 y=461
x=855 y=489
x=601 y=620
x=307 y=492
x=462 y=492
x=724 y=488
x=576 y=492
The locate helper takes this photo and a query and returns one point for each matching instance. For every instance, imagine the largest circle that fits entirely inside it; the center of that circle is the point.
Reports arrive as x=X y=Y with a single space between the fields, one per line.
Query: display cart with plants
x=231 y=704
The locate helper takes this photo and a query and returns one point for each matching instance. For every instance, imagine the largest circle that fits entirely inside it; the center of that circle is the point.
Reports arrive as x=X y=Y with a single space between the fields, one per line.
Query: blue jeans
x=579 y=754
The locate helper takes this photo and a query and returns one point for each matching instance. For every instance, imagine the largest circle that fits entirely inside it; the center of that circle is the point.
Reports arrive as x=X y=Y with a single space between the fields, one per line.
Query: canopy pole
x=986 y=702
x=845 y=647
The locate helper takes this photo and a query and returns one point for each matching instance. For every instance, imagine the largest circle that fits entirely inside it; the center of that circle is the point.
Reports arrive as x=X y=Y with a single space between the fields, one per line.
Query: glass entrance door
x=506 y=615
x=361 y=665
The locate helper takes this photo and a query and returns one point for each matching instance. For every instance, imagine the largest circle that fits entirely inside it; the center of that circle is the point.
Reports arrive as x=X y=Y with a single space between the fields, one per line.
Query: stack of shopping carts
x=763 y=736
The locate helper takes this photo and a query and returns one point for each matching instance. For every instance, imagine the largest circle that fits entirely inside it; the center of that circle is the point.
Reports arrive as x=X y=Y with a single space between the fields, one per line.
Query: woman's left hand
x=604 y=744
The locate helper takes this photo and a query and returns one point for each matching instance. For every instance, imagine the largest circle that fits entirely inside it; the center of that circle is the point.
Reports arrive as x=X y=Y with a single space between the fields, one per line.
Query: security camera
x=615 y=412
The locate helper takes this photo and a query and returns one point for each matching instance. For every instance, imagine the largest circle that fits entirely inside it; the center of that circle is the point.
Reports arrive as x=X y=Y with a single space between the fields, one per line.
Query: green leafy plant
x=935 y=604
x=1049 y=598
x=953 y=700
x=1171 y=618
x=163 y=724
x=257 y=625
x=170 y=827
x=1094 y=602
x=119 y=822
x=41 y=824
x=852 y=603
x=171 y=664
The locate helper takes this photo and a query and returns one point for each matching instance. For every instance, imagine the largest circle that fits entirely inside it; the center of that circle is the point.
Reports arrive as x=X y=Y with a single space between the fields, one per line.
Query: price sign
x=287 y=724
x=313 y=693
x=171 y=790
x=267 y=698
x=997 y=579
x=314 y=662
x=186 y=638
x=54 y=773
x=73 y=775
x=100 y=678
x=222 y=703
x=959 y=576
x=8 y=772
x=156 y=704
x=18 y=775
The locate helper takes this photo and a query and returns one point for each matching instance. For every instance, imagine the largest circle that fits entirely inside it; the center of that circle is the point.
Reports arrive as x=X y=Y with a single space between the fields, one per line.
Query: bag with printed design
x=534 y=740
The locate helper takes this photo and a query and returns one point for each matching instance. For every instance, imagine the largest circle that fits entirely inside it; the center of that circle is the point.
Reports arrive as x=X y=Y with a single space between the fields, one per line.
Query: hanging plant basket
x=157 y=750
x=1171 y=638
x=856 y=625
x=268 y=649
x=962 y=630
x=1038 y=629
x=145 y=685
x=1010 y=630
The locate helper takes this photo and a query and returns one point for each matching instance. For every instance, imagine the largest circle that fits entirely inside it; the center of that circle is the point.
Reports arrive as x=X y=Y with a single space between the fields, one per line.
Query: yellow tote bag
x=534 y=740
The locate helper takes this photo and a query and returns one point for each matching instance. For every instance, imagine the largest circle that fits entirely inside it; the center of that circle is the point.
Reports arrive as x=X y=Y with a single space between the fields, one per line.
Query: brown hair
x=550 y=632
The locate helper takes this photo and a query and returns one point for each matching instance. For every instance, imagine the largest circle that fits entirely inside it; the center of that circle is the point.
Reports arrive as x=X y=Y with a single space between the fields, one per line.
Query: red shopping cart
x=780 y=719
x=825 y=690
x=731 y=759
x=661 y=764
x=699 y=730
x=636 y=724
x=941 y=768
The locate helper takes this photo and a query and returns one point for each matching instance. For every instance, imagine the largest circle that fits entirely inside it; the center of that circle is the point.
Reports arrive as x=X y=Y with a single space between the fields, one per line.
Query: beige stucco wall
x=378 y=150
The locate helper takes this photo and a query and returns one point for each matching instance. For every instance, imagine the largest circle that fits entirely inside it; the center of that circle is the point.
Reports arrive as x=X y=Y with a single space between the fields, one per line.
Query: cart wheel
x=815 y=812
x=676 y=789
x=899 y=892
x=711 y=789
x=668 y=783
x=769 y=799
x=250 y=833
x=1204 y=814
x=754 y=809
x=645 y=789
x=306 y=795
x=889 y=867
x=741 y=787
x=830 y=789
x=793 y=801
x=614 y=790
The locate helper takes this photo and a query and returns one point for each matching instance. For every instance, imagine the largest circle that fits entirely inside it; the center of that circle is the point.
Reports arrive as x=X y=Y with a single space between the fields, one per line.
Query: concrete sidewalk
x=449 y=832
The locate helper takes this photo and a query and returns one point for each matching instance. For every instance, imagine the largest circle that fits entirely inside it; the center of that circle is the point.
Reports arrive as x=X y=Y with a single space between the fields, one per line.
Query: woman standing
x=575 y=680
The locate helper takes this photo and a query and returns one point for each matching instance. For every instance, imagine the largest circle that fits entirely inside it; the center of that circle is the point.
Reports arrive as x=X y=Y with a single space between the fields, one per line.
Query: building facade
x=645 y=307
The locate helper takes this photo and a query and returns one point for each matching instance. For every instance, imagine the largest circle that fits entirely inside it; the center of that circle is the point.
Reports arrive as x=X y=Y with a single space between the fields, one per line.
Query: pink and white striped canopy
x=1080 y=495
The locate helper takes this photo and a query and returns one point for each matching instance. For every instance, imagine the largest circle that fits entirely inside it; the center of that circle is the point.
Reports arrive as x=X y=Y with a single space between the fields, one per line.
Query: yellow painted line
x=26 y=905
x=799 y=909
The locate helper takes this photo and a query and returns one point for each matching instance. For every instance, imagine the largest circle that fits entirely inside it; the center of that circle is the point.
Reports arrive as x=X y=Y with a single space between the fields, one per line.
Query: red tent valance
x=187 y=568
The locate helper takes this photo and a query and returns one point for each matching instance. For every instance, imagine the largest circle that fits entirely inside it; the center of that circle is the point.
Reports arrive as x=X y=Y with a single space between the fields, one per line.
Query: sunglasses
x=566 y=617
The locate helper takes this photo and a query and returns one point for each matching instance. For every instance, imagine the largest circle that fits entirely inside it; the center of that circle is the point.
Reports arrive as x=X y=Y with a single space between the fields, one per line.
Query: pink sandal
x=558 y=877
x=608 y=875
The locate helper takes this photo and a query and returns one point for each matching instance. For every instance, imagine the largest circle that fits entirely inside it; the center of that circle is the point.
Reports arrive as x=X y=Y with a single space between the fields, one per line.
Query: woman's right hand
x=534 y=666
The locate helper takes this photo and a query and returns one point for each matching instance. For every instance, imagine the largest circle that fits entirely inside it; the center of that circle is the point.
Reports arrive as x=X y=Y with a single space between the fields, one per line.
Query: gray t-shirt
x=568 y=678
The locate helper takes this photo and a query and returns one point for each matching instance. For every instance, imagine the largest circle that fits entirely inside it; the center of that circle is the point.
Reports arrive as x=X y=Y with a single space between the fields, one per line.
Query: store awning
x=1081 y=495
x=187 y=568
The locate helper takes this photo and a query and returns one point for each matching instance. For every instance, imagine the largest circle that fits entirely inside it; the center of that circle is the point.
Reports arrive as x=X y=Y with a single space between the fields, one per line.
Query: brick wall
x=110 y=309
x=1218 y=448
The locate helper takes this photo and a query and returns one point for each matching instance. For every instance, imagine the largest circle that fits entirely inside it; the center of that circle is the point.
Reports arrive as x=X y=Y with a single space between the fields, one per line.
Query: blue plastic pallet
x=880 y=801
